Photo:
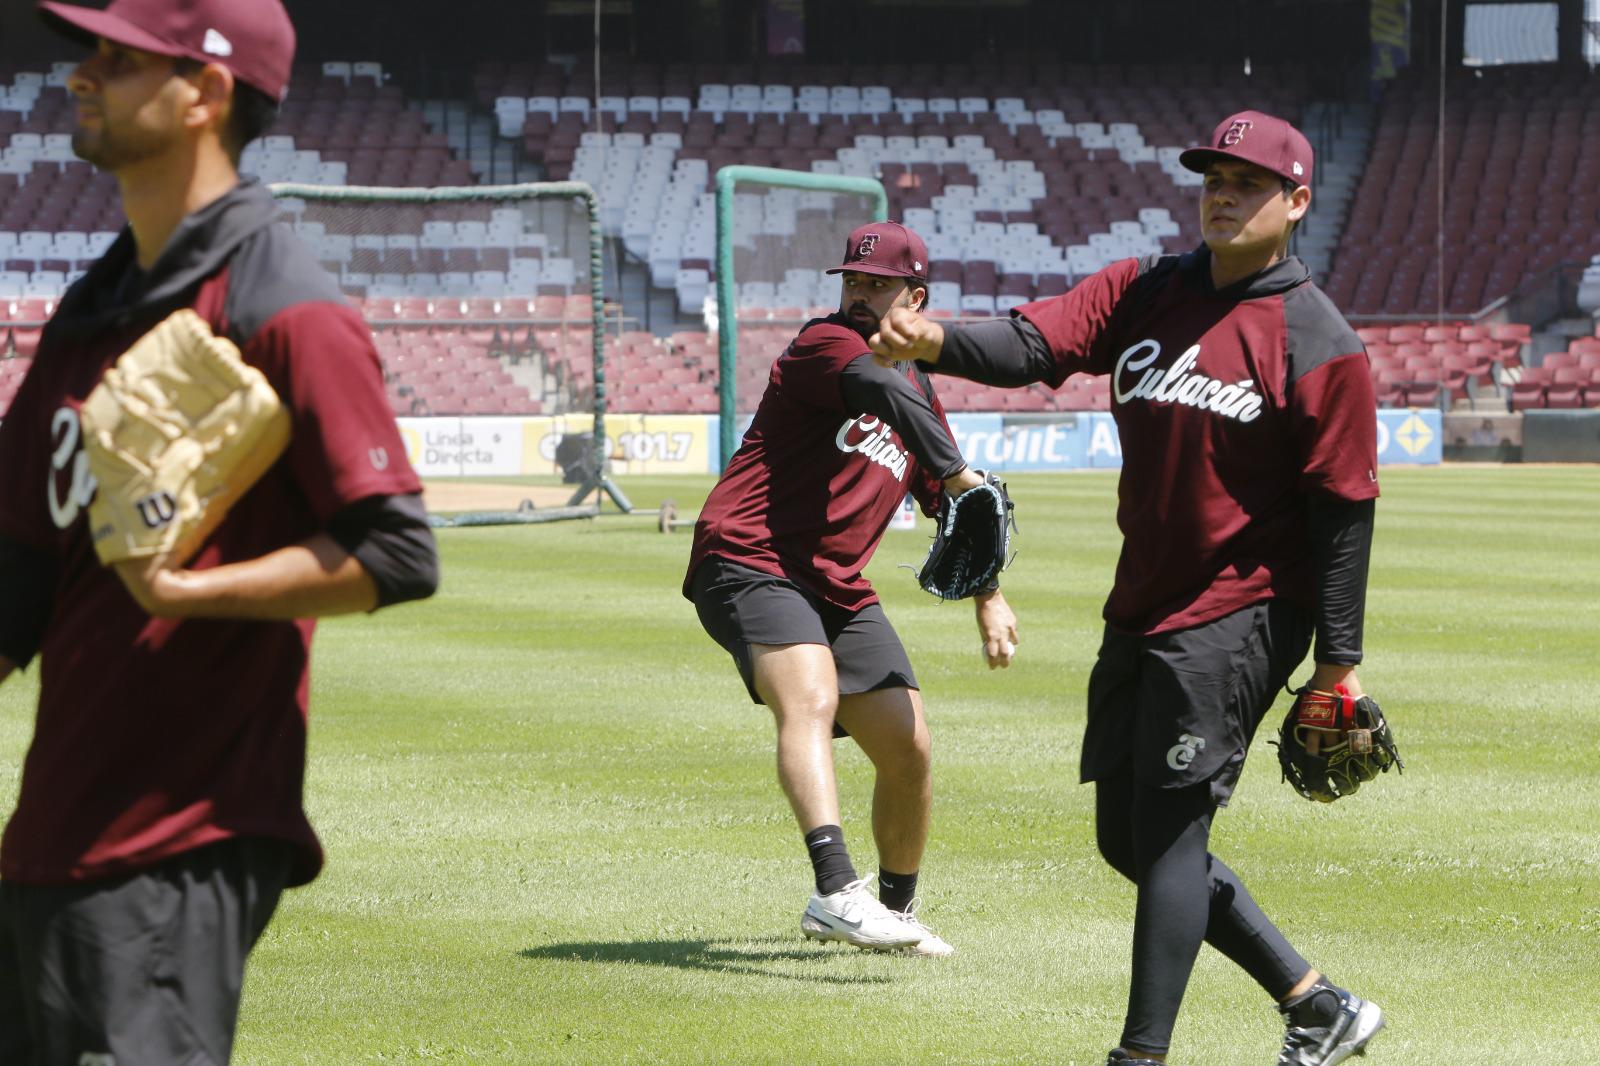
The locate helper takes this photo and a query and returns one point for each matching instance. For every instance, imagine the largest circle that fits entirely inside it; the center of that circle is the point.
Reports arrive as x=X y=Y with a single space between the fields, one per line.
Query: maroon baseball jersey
x=156 y=736
x=812 y=488
x=1231 y=406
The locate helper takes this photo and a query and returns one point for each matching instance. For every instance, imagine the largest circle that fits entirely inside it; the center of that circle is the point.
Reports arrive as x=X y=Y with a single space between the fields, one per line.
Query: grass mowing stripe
x=555 y=833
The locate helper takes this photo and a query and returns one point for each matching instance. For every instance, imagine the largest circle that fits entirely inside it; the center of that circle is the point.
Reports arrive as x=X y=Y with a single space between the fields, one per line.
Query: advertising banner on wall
x=463 y=447
x=686 y=444
x=1406 y=436
x=1088 y=440
x=639 y=443
x=1390 y=25
x=483 y=447
x=1074 y=441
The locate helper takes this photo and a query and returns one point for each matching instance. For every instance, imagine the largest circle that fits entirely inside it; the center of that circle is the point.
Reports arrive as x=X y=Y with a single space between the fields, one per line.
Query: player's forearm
x=313 y=579
x=1341 y=547
x=1008 y=352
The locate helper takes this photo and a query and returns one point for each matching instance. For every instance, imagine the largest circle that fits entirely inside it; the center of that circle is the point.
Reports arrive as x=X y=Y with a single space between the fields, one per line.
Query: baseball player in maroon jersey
x=160 y=813
x=776 y=574
x=1249 y=439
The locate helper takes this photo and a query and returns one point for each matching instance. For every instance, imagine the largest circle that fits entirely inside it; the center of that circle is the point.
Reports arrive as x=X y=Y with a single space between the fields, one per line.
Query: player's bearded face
x=1243 y=209
x=130 y=106
x=865 y=298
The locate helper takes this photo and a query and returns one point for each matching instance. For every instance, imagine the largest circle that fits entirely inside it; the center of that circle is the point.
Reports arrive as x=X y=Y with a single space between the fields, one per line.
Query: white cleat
x=1350 y=1022
x=855 y=916
x=932 y=945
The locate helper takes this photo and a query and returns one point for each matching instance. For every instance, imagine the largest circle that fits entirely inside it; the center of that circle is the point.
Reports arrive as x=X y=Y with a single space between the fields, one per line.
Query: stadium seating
x=1086 y=157
x=1503 y=228
x=1564 y=379
x=1022 y=178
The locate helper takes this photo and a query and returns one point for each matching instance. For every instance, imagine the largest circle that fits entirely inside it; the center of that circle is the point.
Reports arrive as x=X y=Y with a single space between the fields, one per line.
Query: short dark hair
x=252 y=114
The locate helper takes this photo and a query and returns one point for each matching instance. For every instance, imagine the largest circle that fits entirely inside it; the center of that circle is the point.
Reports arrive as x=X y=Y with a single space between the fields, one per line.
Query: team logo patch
x=1181 y=754
x=869 y=243
x=1236 y=132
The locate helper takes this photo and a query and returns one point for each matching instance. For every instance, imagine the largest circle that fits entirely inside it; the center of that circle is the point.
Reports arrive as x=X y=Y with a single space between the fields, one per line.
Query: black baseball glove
x=1331 y=742
x=972 y=543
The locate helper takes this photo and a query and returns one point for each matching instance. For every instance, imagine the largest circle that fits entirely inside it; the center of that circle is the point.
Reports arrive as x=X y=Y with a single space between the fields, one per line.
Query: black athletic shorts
x=1183 y=706
x=739 y=607
x=140 y=970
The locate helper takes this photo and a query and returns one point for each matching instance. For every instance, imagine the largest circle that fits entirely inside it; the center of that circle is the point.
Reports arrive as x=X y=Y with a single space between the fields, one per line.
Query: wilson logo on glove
x=157 y=509
x=175 y=433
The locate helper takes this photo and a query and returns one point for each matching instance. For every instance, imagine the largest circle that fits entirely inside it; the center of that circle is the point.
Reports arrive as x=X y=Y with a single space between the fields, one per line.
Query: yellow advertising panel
x=638 y=443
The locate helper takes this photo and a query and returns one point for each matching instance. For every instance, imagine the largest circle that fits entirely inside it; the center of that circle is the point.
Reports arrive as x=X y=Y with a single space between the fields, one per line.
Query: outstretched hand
x=904 y=334
x=997 y=625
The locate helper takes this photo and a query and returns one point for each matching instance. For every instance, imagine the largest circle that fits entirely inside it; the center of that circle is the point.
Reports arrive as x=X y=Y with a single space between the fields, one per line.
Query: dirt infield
x=447 y=497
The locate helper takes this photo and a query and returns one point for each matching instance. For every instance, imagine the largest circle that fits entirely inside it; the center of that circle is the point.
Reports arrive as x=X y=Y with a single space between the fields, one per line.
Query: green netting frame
x=598 y=479
x=727 y=300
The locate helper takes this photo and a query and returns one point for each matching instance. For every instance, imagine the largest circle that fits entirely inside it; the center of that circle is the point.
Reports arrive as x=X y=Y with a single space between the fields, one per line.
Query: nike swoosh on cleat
x=837 y=922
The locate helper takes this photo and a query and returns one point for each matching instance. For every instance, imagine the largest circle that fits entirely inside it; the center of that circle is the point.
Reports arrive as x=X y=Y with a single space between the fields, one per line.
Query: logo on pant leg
x=1181 y=754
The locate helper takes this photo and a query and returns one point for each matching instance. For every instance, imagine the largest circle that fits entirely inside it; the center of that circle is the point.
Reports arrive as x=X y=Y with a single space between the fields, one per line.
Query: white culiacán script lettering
x=1136 y=378
x=64 y=430
x=870 y=436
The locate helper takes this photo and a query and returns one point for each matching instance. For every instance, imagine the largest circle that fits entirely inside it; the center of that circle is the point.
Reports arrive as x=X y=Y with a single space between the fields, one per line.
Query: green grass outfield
x=555 y=834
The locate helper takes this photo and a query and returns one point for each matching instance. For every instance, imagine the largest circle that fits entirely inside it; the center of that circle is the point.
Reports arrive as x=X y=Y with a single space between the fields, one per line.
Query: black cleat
x=1327 y=1025
x=1118 y=1057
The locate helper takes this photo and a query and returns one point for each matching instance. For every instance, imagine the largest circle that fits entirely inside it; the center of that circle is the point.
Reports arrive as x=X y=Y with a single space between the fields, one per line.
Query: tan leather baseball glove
x=175 y=433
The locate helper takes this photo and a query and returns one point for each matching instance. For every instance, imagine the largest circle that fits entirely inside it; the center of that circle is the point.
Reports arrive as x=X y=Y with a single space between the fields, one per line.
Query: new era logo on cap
x=1259 y=138
x=252 y=38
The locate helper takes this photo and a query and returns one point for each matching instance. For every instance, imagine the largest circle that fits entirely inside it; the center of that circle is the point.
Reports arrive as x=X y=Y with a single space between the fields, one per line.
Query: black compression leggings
x=1157 y=838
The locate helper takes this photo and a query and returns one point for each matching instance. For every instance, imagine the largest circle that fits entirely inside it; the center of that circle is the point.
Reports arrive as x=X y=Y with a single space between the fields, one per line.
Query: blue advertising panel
x=1407 y=436
x=1087 y=440
x=999 y=442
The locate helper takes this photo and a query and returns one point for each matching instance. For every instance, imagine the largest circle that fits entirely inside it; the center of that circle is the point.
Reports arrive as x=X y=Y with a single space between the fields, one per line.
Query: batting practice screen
x=777 y=232
x=483 y=300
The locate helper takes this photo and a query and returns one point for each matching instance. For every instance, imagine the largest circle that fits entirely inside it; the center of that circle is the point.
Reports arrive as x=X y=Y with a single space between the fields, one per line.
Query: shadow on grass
x=754 y=958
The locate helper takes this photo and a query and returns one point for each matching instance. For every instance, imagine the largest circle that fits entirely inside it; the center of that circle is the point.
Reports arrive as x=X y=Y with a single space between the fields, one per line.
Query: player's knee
x=806 y=706
x=913 y=760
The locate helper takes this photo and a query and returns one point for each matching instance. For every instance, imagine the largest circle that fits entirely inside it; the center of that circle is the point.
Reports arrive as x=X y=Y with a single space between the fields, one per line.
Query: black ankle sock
x=829 y=859
x=1317 y=1006
x=896 y=891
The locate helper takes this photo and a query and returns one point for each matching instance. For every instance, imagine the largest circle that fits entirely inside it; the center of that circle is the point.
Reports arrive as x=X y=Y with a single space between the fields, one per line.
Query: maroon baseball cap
x=886 y=248
x=1254 y=137
x=252 y=38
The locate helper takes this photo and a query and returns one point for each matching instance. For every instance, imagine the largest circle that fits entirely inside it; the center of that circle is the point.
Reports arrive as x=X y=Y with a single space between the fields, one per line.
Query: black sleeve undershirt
x=871 y=388
x=1008 y=352
x=1341 y=545
x=27 y=594
x=391 y=539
